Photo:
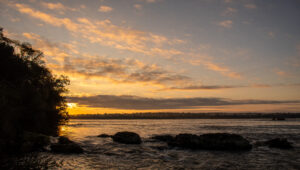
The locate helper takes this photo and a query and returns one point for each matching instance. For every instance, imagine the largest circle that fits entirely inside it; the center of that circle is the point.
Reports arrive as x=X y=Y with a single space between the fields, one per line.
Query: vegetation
x=31 y=98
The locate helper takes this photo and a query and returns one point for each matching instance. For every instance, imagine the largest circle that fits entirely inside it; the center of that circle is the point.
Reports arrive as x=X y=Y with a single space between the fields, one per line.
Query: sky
x=125 y=56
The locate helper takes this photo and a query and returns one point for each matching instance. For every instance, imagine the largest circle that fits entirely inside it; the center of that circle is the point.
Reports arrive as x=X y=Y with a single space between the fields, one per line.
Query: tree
x=31 y=98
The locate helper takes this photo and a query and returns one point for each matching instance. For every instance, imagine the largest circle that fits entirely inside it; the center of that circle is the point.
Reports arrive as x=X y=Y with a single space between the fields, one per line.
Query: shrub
x=31 y=98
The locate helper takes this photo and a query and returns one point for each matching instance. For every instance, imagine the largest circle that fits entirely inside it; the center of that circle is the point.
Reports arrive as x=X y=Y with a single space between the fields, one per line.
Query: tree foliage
x=31 y=98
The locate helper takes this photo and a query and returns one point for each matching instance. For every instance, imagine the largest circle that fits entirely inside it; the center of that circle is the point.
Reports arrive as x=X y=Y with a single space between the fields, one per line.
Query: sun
x=71 y=105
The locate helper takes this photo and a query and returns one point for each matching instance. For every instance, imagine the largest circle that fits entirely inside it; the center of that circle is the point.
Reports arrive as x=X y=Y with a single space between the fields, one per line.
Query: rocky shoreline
x=35 y=142
x=32 y=142
x=209 y=141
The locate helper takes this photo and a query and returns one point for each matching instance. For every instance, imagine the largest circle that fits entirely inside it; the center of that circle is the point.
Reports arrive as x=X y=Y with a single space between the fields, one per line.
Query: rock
x=25 y=142
x=212 y=141
x=281 y=143
x=186 y=141
x=160 y=147
x=104 y=135
x=224 y=141
x=65 y=145
x=64 y=140
x=34 y=142
x=278 y=118
x=66 y=148
x=163 y=138
x=259 y=143
x=127 y=138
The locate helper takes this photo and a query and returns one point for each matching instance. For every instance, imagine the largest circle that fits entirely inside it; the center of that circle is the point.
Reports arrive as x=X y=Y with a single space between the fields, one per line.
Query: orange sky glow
x=166 y=56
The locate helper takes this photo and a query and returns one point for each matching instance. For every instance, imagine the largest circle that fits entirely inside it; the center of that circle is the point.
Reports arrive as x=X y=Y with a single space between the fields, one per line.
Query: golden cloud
x=138 y=6
x=106 y=33
x=223 y=70
x=226 y=24
x=51 y=50
x=229 y=11
x=104 y=8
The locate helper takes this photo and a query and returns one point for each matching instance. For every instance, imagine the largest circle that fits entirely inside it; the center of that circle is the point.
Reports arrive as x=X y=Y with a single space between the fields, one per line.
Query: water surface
x=103 y=153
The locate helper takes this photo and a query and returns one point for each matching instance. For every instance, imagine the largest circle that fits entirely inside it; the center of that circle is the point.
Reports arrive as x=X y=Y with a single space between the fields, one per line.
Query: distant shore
x=168 y=115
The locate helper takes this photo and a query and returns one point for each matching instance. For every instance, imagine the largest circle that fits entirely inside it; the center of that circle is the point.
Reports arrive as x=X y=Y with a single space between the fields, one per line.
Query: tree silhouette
x=31 y=98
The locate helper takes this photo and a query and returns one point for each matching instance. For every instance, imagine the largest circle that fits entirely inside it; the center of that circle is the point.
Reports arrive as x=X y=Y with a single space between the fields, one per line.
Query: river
x=103 y=153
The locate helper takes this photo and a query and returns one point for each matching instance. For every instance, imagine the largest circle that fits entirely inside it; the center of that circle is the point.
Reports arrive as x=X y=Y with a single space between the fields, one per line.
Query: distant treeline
x=168 y=115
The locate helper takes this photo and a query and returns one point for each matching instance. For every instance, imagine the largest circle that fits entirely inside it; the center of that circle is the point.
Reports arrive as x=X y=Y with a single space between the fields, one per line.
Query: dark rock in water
x=186 y=141
x=278 y=118
x=66 y=148
x=259 y=143
x=127 y=138
x=65 y=145
x=104 y=135
x=64 y=140
x=212 y=141
x=26 y=142
x=224 y=141
x=34 y=142
x=160 y=147
x=163 y=138
x=281 y=143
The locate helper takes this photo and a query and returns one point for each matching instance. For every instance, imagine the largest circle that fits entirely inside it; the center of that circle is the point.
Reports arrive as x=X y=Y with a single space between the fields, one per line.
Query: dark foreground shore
x=167 y=144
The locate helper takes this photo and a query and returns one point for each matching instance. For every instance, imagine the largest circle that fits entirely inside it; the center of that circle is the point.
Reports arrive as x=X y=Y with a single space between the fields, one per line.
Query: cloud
x=228 y=1
x=117 y=70
x=262 y=85
x=222 y=87
x=11 y=35
x=223 y=70
x=51 y=50
x=54 y=6
x=14 y=19
x=122 y=70
x=138 y=6
x=295 y=61
x=229 y=11
x=250 y=6
x=298 y=49
x=150 y=1
x=47 y=18
x=104 y=8
x=206 y=61
x=104 y=32
x=57 y=7
x=203 y=87
x=226 y=24
x=271 y=34
x=143 y=103
x=282 y=73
